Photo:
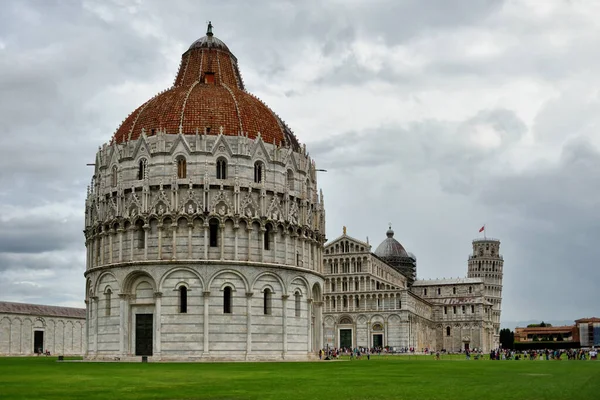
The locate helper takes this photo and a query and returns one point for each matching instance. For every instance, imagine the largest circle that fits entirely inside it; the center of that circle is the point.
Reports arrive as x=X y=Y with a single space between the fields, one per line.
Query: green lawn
x=392 y=377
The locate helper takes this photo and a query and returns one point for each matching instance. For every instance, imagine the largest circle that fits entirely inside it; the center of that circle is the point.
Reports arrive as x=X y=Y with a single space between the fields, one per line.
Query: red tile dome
x=208 y=94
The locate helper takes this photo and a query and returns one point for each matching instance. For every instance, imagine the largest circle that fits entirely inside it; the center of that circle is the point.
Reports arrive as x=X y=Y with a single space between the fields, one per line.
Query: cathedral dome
x=390 y=247
x=208 y=97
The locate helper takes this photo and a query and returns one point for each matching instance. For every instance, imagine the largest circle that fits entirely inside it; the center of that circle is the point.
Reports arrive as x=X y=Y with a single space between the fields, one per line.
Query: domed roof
x=390 y=247
x=208 y=94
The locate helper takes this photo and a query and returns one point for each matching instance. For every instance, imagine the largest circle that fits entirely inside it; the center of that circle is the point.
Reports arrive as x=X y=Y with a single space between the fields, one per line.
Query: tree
x=541 y=325
x=507 y=338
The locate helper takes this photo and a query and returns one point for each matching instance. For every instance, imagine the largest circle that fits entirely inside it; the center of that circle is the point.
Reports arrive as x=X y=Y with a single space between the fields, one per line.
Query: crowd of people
x=496 y=354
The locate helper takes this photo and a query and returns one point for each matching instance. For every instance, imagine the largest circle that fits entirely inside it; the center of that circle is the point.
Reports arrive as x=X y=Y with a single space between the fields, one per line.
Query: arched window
x=357 y=303
x=470 y=289
x=447 y=331
x=114 y=176
x=297 y=304
x=141 y=234
x=142 y=169
x=258 y=172
x=181 y=167
x=424 y=292
x=221 y=168
x=107 y=295
x=213 y=226
x=267 y=301
x=290 y=179
x=399 y=303
x=439 y=291
x=227 y=300
x=472 y=309
x=183 y=299
x=454 y=290
x=267 y=236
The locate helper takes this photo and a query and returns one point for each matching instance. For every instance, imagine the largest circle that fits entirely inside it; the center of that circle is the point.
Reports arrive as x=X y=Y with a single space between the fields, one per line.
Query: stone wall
x=287 y=329
x=61 y=336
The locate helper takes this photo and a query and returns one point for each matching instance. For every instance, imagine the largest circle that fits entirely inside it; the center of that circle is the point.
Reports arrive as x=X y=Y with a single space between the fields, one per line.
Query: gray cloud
x=436 y=117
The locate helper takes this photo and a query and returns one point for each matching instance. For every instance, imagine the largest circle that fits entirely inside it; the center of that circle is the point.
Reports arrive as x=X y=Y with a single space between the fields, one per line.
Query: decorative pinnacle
x=209 y=29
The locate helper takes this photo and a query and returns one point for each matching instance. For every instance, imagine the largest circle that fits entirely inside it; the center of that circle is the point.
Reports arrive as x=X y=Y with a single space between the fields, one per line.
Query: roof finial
x=390 y=225
x=344 y=230
x=209 y=29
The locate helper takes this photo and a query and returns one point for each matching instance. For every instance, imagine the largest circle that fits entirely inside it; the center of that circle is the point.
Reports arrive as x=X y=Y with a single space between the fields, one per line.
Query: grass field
x=391 y=377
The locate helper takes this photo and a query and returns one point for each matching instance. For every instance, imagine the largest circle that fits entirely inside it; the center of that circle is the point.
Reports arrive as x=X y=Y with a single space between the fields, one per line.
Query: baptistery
x=204 y=226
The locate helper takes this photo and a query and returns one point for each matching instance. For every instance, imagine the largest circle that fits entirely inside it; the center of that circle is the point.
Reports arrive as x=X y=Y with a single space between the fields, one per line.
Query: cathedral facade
x=371 y=299
x=204 y=227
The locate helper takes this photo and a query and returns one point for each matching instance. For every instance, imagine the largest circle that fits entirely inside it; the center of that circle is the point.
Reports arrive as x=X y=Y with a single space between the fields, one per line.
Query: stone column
x=249 y=323
x=174 y=240
x=120 y=231
x=303 y=252
x=123 y=325
x=87 y=329
x=309 y=330
x=131 y=230
x=385 y=333
x=87 y=255
x=249 y=229
x=190 y=231
x=262 y=241
x=157 y=324
x=146 y=230
x=295 y=238
x=95 y=319
x=284 y=299
x=160 y=229
x=236 y=229
x=206 y=323
x=205 y=241
x=102 y=235
x=319 y=324
x=319 y=258
x=222 y=241
x=287 y=235
x=110 y=245
x=275 y=234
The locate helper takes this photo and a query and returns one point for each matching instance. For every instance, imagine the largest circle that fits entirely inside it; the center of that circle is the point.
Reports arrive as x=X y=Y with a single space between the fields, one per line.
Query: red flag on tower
x=482 y=229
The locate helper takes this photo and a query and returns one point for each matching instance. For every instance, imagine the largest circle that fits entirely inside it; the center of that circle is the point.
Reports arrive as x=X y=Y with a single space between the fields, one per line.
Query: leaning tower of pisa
x=487 y=263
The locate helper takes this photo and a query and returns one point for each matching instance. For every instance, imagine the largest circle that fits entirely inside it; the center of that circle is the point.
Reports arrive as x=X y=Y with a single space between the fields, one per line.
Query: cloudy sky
x=436 y=116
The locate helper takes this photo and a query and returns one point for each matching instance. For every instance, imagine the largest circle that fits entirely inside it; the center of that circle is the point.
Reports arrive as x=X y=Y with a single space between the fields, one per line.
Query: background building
x=27 y=329
x=370 y=303
x=584 y=333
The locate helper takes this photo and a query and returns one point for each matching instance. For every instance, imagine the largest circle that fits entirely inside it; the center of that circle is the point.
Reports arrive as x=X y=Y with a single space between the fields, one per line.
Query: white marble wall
x=62 y=336
x=246 y=333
